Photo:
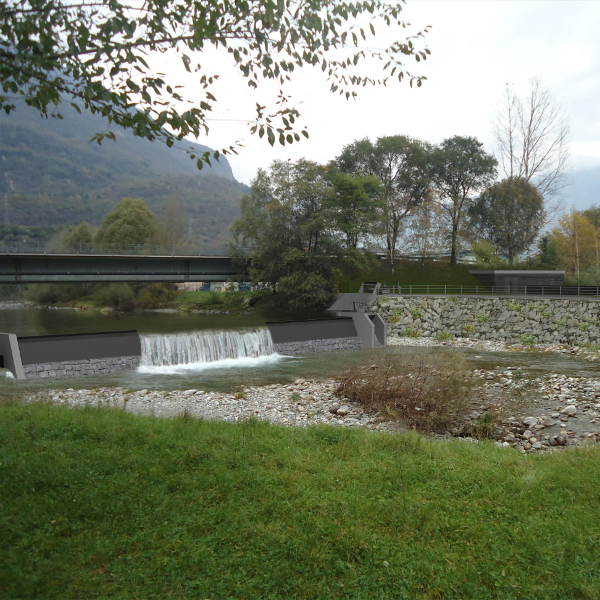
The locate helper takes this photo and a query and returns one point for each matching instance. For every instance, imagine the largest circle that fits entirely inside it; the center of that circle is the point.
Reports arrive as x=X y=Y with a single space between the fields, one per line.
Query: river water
x=183 y=351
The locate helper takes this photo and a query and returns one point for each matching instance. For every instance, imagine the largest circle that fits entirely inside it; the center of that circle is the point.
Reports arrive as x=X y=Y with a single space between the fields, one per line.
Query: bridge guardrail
x=126 y=249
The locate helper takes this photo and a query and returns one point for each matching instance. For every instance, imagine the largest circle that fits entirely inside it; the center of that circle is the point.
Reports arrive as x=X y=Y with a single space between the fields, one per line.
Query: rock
x=530 y=421
x=343 y=411
x=555 y=415
x=548 y=422
x=570 y=410
x=527 y=434
x=537 y=446
x=553 y=441
x=334 y=408
x=561 y=440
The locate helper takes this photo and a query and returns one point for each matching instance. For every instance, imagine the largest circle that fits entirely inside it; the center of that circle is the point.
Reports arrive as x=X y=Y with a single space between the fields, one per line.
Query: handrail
x=120 y=249
x=494 y=290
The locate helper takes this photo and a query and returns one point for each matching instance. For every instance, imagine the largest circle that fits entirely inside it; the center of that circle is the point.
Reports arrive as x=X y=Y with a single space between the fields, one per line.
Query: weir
x=205 y=346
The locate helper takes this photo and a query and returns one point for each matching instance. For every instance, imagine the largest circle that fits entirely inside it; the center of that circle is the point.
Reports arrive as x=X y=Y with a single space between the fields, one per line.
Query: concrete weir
x=44 y=356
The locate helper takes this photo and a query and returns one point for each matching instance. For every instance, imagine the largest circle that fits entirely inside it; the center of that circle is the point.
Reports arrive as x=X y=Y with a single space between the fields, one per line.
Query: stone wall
x=507 y=319
x=73 y=368
x=318 y=345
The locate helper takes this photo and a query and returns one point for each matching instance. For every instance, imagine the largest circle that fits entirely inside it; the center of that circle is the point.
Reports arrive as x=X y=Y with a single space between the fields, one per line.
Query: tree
x=510 y=215
x=285 y=228
x=402 y=165
x=77 y=237
x=354 y=206
x=95 y=54
x=426 y=229
x=548 y=254
x=176 y=223
x=130 y=223
x=461 y=168
x=575 y=239
x=532 y=136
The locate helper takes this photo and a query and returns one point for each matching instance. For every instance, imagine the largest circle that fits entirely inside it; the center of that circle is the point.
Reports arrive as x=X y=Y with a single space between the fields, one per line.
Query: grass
x=102 y=504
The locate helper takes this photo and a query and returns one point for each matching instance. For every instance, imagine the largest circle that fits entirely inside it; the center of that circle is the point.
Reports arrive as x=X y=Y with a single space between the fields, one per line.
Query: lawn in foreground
x=97 y=503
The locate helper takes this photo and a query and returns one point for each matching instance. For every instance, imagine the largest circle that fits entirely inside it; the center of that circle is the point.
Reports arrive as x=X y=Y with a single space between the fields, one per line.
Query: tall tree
x=548 y=254
x=426 y=232
x=131 y=222
x=510 y=215
x=461 y=169
x=532 y=137
x=95 y=54
x=77 y=237
x=285 y=227
x=575 y=239
x=402 y=165
x=355 y=201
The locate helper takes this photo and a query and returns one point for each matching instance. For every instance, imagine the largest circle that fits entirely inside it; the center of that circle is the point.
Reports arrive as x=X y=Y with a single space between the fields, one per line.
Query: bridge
x=94 y=268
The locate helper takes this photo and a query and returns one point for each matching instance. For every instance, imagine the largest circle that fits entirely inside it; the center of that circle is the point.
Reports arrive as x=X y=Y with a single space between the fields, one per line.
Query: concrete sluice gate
x=69 y=355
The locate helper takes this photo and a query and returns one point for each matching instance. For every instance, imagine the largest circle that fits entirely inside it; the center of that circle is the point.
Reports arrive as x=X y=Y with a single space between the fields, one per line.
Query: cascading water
x=201 y=349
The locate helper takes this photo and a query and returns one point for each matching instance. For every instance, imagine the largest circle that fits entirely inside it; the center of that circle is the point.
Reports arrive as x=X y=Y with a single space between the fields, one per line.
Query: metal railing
x=128 y=249
x=567 y=291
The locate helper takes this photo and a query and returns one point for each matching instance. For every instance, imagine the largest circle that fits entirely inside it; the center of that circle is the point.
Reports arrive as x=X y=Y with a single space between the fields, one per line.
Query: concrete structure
x=369 y=326
x=322 y=335
x=73 y=268
x=40 y=357
x=512 y=320
x=512 y=281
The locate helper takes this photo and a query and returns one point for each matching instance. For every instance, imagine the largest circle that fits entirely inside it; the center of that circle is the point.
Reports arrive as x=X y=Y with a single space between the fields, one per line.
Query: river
x=228 y=375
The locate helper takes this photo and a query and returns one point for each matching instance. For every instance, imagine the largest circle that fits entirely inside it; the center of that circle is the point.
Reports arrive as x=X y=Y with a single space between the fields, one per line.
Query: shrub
x=295 y=396
x=428 y=392
x=115 y=295
x=482 y=318
x=413 y=333
x=416 y=313
x=528 y=339
x=561 y=323
x=443 y=336
x=157 y=294
x=241 y=396
x=468 y=329
x=516 y=306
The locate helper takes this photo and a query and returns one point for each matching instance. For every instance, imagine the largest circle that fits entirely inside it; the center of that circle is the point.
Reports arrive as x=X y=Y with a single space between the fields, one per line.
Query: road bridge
x=94 y=268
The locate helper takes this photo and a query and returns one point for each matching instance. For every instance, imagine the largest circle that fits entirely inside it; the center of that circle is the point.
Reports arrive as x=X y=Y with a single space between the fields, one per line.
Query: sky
x=477 y=47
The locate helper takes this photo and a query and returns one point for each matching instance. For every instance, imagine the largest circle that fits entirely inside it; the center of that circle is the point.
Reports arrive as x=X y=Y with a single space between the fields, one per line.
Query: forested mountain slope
x=51 y=174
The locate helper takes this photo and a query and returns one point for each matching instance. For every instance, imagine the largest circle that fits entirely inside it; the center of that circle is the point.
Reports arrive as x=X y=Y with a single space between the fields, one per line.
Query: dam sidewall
x=504 y=319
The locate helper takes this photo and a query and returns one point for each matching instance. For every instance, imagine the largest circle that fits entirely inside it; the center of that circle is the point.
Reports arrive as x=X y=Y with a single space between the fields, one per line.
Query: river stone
x=570 y=410
x=548 y=422
x=343 y=411
x=334 y=408
x=530 y=421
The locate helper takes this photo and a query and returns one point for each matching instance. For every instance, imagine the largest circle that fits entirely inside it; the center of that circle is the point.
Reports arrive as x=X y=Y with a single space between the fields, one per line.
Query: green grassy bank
x=102 y=504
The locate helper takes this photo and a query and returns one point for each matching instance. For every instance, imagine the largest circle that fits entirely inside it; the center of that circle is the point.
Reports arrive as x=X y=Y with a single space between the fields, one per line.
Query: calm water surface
x=227 y=376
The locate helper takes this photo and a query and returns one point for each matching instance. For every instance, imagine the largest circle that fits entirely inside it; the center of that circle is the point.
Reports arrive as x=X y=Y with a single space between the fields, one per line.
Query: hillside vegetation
x=50 y=174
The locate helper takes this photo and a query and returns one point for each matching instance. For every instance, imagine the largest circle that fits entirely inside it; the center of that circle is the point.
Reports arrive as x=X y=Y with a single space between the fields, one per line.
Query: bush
x=115 y=295
x=428 y=392
x=157 y=294
x=42 y=293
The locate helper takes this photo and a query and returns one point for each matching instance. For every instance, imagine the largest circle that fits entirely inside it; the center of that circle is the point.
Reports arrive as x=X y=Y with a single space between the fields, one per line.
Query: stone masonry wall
x=507 y=319
x=73 y=368
x=318 y=345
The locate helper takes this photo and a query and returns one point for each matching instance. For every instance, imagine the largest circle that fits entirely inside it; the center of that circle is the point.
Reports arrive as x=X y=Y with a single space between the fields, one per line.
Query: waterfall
x=205 y=347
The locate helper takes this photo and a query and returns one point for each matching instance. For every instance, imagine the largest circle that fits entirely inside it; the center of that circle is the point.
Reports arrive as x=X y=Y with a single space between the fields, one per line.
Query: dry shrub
x=430 y=392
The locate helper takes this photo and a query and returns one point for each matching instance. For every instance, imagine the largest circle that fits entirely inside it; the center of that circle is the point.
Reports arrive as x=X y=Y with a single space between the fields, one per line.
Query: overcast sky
x=476 y=48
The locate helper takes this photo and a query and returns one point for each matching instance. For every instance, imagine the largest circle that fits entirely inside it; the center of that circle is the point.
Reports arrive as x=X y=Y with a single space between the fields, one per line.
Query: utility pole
x=6 y=217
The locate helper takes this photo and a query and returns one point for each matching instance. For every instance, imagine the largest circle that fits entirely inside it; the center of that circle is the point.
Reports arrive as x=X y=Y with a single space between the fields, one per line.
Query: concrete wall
x=510 y=320
x=69 y=347
x=323 y=335
x=327 y=345
x=74 y=368
x=35 y=357
x=303 y=331
x=11 y=357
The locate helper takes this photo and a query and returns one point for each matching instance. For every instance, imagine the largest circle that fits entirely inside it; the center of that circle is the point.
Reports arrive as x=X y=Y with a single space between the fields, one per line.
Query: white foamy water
x=199 y=350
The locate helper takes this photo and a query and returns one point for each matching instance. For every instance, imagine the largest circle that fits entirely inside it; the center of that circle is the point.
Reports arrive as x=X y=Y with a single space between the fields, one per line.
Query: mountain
x=51 y=174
